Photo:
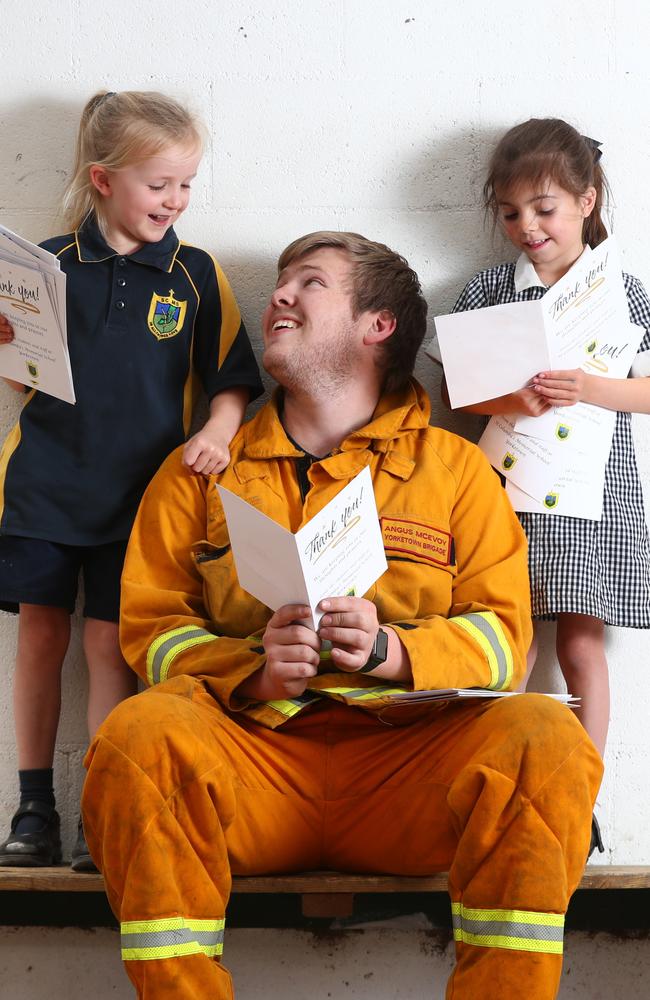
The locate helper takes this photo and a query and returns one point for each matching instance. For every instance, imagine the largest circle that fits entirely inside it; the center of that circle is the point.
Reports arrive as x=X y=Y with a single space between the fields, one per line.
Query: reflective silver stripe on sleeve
x=484 y=626
x=165 y=649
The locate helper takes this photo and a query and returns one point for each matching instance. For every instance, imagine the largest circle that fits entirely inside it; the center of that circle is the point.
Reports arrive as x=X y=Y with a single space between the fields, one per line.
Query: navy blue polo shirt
x=140 y=329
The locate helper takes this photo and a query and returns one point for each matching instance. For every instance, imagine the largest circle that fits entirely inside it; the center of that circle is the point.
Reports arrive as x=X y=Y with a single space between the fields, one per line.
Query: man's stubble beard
x=321 y=370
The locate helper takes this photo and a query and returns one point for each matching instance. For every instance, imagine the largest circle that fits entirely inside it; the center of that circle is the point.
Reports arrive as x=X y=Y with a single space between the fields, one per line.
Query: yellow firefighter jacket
x=456 y=589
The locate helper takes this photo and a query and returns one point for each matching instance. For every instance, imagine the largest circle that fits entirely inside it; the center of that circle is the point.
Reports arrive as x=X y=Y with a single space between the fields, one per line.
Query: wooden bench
x=324 y=894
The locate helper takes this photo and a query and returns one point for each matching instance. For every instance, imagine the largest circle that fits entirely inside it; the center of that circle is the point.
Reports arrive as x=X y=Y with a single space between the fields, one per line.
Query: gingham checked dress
x=599 y=568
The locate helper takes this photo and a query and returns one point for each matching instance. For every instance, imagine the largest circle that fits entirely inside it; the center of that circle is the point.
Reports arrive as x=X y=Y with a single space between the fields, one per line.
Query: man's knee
x=552 y=752
x=533 y=739
x=530 y=781
x=161 y=722
x=536 y=722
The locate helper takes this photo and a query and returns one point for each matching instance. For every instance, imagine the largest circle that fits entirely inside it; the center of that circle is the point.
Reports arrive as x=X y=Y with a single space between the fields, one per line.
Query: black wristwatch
x=378 y=653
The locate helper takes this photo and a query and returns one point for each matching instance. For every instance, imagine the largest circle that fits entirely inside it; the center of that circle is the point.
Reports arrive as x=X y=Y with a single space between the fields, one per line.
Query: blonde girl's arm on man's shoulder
x=207 y=451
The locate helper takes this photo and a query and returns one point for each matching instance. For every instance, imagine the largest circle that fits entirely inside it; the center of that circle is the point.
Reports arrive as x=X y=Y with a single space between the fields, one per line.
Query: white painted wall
x=376 y=116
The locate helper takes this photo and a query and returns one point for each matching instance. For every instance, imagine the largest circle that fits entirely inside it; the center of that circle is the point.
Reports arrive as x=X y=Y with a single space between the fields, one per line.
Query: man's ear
x=382 y=326
x=100 y=178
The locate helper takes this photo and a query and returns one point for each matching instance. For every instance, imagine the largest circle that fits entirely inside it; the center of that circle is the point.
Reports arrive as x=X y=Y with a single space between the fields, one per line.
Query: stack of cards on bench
x=456 y=694
x=32 y=297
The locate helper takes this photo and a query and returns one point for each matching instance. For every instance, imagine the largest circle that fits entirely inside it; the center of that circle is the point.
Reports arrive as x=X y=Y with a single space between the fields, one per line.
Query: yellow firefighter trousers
x=179 y=794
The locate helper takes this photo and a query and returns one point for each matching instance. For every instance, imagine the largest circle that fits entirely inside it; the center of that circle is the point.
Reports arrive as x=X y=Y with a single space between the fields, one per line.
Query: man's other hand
x=292 y=657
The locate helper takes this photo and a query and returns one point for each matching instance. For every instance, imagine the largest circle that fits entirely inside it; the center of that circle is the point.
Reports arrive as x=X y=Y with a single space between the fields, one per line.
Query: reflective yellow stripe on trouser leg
x=171 y=937
x=516 y=930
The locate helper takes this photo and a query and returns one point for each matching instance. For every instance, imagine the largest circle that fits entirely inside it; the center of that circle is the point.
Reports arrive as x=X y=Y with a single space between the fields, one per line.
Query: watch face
x=380 y=648
x=379 y=652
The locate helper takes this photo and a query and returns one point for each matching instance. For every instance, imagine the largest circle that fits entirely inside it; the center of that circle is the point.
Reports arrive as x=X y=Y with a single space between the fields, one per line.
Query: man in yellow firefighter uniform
x=261 y=748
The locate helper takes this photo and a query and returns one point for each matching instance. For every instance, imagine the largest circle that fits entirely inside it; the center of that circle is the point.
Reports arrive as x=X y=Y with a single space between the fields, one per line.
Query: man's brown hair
x=381 y=279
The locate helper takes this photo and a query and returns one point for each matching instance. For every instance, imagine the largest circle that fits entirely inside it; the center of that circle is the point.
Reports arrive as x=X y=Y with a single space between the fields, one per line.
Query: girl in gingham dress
x=545 y=187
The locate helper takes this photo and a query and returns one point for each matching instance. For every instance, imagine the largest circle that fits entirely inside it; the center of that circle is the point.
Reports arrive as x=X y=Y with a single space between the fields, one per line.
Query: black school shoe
x=33 y=850
x=81 y=859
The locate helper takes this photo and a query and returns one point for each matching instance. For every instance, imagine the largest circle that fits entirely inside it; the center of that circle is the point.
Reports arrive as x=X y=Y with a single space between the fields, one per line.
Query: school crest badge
x=166 y=315
x=508 y=460
x=562 y=432
x=32 y=368
x=551 y=500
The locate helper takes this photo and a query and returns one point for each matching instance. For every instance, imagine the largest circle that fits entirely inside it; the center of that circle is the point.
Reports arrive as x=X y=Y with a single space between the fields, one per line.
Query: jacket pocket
x=234 y=612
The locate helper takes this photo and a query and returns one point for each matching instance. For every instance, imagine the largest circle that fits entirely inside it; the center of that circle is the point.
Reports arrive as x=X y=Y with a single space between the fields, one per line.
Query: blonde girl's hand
x=529 y=403
x=561 y=388
x=350 y=624
x=207 y=451
x=6 y=330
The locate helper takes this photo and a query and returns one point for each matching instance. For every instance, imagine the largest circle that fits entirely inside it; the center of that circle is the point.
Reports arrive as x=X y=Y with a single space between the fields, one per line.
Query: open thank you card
x=339 y=552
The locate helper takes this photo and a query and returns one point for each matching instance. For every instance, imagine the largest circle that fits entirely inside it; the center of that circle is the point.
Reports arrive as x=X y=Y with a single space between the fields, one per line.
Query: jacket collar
x=93 y=248
x=396 y=414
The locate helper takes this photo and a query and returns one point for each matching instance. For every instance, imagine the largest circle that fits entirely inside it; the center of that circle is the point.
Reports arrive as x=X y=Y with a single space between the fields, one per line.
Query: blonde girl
x=147 y=316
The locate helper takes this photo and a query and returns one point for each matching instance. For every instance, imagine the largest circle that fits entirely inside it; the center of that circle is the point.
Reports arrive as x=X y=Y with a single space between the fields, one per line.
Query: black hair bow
x=594 y=146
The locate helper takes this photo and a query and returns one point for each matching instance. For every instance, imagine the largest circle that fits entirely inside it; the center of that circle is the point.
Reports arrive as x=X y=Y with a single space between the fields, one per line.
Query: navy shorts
x=33 y=571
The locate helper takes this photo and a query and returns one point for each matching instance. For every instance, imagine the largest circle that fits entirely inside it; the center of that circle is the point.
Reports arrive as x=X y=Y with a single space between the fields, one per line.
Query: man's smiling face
x=312 y=340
